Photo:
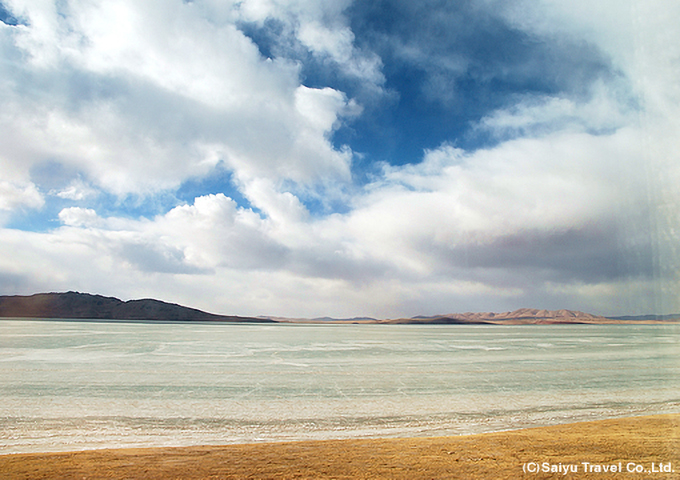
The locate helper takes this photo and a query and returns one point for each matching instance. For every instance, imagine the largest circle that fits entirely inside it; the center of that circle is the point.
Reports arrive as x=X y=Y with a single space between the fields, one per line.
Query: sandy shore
x=650 y=444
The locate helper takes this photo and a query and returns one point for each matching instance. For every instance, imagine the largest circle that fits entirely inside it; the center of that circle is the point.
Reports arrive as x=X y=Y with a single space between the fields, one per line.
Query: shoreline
x=399 y=321
x=639 y=446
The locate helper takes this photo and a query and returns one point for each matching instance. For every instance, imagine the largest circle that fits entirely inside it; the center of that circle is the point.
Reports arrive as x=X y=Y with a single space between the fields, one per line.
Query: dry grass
x=651 y=442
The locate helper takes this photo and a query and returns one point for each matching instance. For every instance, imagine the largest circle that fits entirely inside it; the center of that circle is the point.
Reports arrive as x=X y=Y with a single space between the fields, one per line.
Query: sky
x=306 y=158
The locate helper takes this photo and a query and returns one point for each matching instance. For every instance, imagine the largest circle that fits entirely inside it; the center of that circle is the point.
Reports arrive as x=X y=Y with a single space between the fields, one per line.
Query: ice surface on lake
x=73 y=385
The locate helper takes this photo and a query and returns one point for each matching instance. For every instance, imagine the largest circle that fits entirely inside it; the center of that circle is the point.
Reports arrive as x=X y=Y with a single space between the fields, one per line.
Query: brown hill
x=97 y=307
x=523 y=316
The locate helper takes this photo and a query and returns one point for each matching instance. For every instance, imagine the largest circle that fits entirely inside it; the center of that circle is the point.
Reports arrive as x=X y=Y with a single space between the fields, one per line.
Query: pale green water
x=75 y=385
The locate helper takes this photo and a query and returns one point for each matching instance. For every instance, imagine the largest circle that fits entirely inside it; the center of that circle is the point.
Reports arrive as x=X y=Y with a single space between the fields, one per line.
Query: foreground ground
x=642 y=447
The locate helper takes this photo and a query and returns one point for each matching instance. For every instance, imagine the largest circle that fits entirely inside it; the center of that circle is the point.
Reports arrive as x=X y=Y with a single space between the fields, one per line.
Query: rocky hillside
x=85 y=306
x=97 y=307
x=523 y=316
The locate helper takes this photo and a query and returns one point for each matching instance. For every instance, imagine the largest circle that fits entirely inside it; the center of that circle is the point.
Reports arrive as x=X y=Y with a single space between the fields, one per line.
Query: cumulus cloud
x=572 y=203
x=140 y=97
x=13 y=196
x=321 y=28
x=77 y=216
x=539 y=115
x=537 y=204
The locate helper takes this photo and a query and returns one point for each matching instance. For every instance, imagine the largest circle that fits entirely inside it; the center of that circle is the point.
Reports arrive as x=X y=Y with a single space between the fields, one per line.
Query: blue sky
x=349 y=158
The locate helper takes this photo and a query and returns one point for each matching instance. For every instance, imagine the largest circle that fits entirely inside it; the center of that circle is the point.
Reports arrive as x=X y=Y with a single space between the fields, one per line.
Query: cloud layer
x=343 y=159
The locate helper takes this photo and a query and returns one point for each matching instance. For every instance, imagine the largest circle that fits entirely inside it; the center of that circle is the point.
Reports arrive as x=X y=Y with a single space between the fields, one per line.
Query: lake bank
x=651 y=443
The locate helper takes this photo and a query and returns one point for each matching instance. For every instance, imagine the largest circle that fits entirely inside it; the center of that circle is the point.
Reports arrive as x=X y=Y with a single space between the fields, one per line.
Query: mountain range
x=76 y=305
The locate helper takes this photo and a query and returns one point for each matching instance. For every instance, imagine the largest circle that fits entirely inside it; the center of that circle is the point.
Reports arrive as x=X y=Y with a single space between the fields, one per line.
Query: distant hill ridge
x=648 y=317
x=78 y=305
x=520 y=316
x=97 y=307
x=531 y=316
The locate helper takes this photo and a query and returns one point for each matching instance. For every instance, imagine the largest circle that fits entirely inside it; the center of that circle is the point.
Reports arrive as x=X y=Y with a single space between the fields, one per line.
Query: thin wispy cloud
x=307 y=158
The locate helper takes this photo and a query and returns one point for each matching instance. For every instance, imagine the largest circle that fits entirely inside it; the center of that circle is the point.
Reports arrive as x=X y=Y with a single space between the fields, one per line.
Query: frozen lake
x=70 y=385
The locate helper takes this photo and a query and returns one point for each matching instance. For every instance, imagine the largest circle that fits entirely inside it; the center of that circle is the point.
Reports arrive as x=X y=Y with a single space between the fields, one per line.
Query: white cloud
x=337 y=43
x=640 y=39
x=456 y=201
x=13 y=196
x=77 y=190
x=530 y=218
x=541 y=115
x=213 y=232
x=322 y=28
x=79 y=217
x=321 y=107
x=578 y=201
x=140 y=97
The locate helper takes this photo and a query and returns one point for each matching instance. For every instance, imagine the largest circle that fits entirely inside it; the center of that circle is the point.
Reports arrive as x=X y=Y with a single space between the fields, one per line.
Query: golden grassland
x=595 y=449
